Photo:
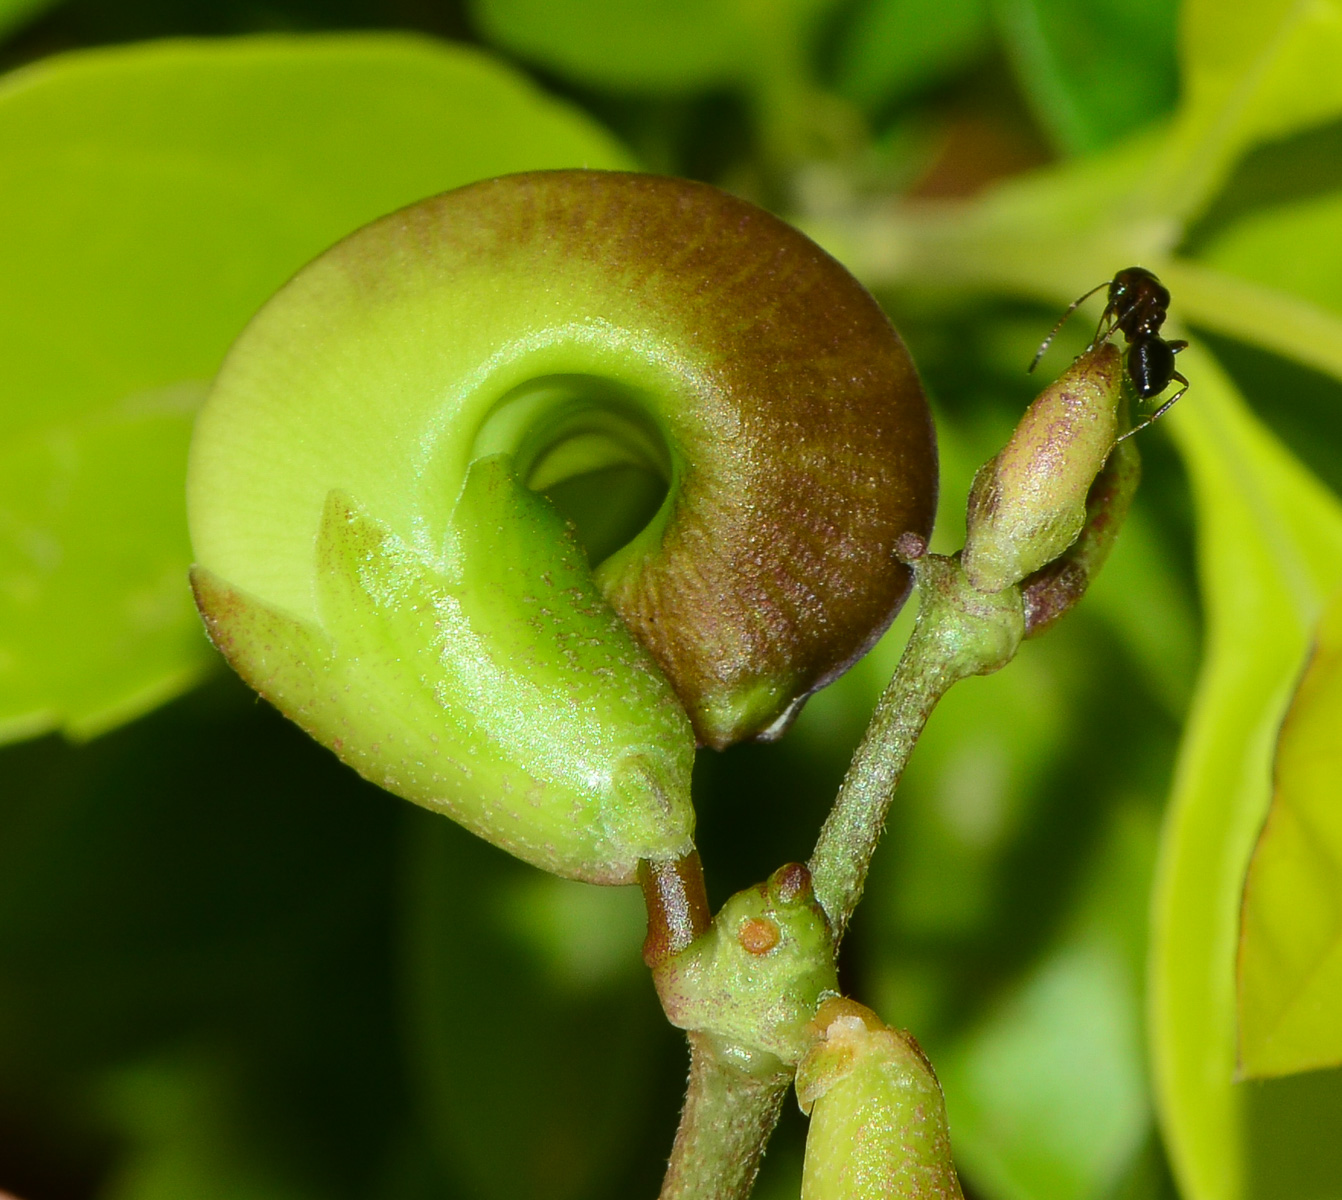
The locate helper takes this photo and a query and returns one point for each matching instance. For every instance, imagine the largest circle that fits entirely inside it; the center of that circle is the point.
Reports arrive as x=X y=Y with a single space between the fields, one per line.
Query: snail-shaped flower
x=374 y=558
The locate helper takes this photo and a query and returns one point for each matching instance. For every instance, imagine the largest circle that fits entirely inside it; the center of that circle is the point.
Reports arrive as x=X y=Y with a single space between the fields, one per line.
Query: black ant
x=1137 y=305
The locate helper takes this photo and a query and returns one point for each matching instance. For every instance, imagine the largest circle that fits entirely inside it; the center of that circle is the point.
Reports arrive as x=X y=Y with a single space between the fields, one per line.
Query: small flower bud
x=1029 y=503
x=1053 y=591
x=878 y=1120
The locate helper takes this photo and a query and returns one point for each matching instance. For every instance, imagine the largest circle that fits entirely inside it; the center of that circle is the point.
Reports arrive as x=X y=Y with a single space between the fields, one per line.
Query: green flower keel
x=374 y=554
x=500 y=689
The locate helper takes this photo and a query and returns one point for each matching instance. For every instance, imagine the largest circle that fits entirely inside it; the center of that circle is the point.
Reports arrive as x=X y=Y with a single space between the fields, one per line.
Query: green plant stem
x=959 y=632
x=728 y=1116
x=849 y=836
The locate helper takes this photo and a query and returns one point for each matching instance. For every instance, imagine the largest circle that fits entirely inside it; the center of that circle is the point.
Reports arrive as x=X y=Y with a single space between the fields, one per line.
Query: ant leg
x=1169 y=404
x=1071 y=308
x=1160 y=412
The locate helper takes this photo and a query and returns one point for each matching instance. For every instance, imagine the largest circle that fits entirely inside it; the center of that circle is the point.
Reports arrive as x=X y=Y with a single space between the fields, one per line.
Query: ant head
x=1137 y=302
x=1132 y=282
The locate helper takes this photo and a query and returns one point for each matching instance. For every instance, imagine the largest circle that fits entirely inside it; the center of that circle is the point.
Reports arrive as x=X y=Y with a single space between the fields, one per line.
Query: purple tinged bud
x=1052 y=592
x=1028 y=505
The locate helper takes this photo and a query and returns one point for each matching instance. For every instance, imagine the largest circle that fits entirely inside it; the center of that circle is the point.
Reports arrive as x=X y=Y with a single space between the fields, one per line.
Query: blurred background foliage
x=229 y=968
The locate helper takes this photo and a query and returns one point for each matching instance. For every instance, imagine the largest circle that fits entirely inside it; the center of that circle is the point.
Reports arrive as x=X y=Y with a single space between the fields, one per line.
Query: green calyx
x=964 y=630
x=1028 y=504
x=754 y=979
x=878 y=1119
x=495 y=685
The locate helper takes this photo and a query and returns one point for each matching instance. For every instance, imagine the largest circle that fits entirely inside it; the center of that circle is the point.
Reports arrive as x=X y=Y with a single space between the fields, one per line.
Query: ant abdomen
x=1150 y=365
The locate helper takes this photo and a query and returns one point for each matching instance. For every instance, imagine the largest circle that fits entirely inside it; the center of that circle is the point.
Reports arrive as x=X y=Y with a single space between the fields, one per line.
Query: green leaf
x=1047 y=1094
x=1253 y=70
x=1269 y=65
x=150 y=199
x=1270 y=551
x=1092 y=71
x=1259 y=316
x=1290 y=960
x=96 y=622
x=534 y=1032
x=644 y=45
x=892 y=47
x=1295 y=248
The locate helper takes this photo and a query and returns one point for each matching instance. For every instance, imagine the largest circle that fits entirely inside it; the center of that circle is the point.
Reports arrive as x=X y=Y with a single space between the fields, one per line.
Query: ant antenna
x=1071 y=308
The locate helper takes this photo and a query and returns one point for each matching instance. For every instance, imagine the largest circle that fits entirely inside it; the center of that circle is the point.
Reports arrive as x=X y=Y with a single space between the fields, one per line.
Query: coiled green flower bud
x=372 y=555
x=1028 y=504
x=878 y=1120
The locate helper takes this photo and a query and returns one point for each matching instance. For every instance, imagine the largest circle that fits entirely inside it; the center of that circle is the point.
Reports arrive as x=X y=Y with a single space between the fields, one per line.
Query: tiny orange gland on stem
x=758 y=935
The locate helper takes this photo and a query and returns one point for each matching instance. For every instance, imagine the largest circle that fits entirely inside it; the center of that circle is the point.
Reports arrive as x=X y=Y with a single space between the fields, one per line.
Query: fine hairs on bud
x=1028 y=504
